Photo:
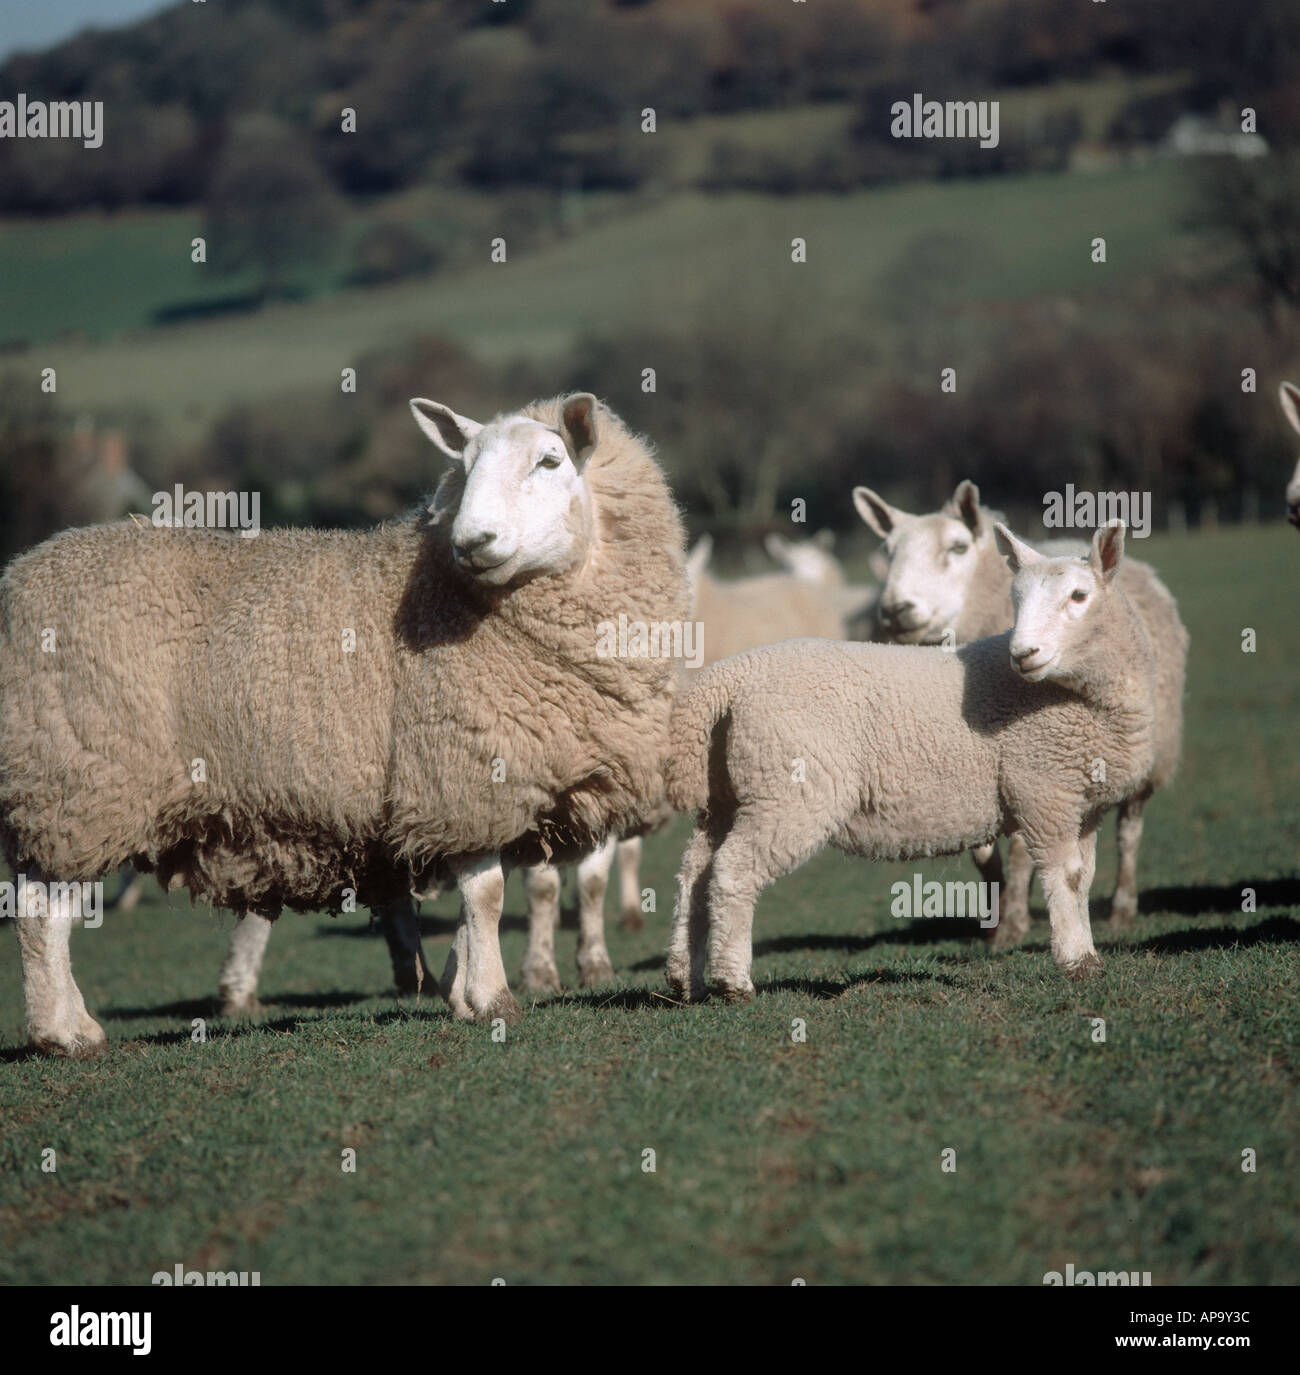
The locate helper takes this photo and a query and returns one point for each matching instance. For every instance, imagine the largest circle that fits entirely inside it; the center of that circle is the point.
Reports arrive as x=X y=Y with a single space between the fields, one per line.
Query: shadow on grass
x=1272 y=931
x=1193 y=902
x=211 y=1007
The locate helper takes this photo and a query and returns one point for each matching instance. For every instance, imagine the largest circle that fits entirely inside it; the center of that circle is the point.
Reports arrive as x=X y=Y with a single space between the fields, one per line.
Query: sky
x=32 y=26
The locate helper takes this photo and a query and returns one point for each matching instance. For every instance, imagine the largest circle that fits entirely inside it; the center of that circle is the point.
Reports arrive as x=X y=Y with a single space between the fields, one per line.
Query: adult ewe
x=1291 y=409
x=895 y=752
x=271 y=722
x=948 y=584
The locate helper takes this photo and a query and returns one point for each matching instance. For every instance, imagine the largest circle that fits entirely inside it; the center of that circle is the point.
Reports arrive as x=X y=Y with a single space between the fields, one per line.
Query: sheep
x=902 y=752
x=813 y=561
x=948 y=584
x=269 y=722
x=1290 y=394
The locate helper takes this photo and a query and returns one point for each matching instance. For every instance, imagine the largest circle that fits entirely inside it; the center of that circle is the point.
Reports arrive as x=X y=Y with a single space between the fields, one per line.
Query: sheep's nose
x=469 y=545
x=896 y=610
x=1020 y=655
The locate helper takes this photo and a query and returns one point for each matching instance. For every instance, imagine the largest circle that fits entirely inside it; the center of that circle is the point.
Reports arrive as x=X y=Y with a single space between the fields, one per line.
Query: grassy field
x=773 y=1159
x=681 y=257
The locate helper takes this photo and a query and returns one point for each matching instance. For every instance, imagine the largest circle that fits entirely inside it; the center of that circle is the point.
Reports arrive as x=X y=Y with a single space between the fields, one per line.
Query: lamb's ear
x=966 y=502
x=698 y=559
x=778 y=547
x=879 y=515
x=1016 y=552
x=1291 y=404
x=825 y=540
x=578 y=426
x=1107 y=550
x=449 y=431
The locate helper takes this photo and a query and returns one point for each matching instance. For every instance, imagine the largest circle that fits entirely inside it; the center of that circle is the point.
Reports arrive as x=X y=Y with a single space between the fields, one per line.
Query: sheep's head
x=1291 y=409
x=1058 y=602
x=809 y=560
x=524 y=508
x=932 y=561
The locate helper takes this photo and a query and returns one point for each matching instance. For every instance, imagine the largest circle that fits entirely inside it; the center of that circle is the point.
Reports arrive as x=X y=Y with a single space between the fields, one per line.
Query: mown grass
x=773 y=1159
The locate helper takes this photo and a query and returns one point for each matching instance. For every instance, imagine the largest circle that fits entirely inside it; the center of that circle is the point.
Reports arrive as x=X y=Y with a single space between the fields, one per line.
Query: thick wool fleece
x=465 y=719
x=761 y=610
x=906 y=751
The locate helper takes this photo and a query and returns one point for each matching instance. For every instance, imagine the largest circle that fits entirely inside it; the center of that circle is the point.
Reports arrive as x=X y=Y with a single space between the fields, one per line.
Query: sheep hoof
x=593 y=972
x=1123 y=909
x=540 y=978
x=632 y=920
x=502 y=1007
x=737 y=993
x=1087 y=968
x=240 y=1005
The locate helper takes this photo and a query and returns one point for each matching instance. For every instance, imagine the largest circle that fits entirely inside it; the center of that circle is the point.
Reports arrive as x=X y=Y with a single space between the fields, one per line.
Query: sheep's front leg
x=1013 y=896
x=594 y=965
x=57 y=1020
x=542 y=885
x=399 y=920
x=1067 y=869
x=237 y=982
x=1128 y=837
x=474 y=982
x=629 y=884
x=688 y=943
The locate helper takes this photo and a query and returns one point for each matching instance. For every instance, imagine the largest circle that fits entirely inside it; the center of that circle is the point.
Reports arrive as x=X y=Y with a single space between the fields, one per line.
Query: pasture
x=773 y=1159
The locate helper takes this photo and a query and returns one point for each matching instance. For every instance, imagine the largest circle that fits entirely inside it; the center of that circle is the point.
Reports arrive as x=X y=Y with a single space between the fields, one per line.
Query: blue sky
x=34 y=26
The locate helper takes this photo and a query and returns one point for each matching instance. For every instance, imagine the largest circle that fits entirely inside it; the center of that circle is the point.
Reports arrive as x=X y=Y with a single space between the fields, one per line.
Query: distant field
x=774 y=1160
x=686 y=256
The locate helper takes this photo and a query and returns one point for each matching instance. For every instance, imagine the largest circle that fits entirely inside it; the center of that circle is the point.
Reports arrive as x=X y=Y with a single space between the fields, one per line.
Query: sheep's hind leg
x=594 y=965
x=57 y=1020
x=629 y=884
x=399 y=920
x=1013 y=895
x=1067 y=871
x=486 y=994
x=542 y=885
x=1128 y=837
x=688 y=943
x=237 y=982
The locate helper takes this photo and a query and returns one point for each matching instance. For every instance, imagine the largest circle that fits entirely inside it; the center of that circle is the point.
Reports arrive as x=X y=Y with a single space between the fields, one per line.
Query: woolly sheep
x=948 y=584
x=199 y=709
x=1291 y=409
x=813 y=561
x=904 y=752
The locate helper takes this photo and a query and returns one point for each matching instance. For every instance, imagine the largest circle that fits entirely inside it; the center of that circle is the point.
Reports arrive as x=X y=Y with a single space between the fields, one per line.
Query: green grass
x=687 y=256
x=774 y=1160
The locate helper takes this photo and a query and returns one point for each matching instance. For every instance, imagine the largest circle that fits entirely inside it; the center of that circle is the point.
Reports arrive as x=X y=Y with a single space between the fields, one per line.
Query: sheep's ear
x=778 y=547
x=1107 y=550
x=966 y=502
x=1291 y=404
x=698 y=559
x=578 y=426
x=1017 y=553
x=878 y=513
x=450 y=432
x=825 y=540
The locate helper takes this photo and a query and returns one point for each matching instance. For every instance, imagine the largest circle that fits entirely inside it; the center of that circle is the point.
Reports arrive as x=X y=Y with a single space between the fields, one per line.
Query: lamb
x=270 y=722
x=813 y=561
x=1291 y=409
x=902 y=752
x=947 y=584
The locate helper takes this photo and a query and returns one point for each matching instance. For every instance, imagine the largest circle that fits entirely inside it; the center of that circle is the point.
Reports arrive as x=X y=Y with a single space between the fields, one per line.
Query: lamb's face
x=932 y=562
x=525 y=509
x=1058 y=603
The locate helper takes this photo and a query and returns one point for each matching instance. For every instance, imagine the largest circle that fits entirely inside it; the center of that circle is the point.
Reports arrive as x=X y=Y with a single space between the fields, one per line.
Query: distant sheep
x=947 y=583
x=270 y=722
x=898 y=752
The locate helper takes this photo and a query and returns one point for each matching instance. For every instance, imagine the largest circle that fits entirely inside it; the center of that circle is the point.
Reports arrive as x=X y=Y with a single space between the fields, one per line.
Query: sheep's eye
x=958 y=548
x=549 y=461
x=1078 y=595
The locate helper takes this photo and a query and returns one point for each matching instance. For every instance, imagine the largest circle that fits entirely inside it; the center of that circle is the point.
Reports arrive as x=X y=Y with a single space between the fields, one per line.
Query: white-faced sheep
x=900 y=752
x=272 y=721
x=948 y=584
x=813 y=561
x=1291 y=409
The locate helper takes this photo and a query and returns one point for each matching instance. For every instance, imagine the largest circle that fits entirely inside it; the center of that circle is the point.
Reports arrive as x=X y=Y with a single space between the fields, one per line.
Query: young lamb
x=813 y=561
x=899 y=752
x=1291 y=409
x=270 y=722
x=948 y=584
